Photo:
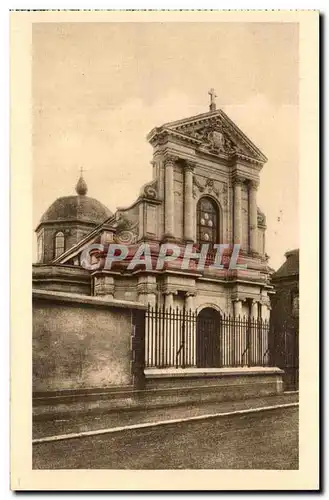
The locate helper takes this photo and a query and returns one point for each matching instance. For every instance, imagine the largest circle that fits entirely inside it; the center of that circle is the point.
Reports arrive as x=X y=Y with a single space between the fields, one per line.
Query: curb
x=146 y=425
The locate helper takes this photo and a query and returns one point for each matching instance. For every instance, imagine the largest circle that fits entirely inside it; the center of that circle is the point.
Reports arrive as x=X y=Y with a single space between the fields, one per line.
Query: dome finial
x=81 y=187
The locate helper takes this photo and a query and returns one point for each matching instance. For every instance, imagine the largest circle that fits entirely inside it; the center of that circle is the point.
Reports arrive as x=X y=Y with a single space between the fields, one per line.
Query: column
x=237 y=211
x=190 y=331
x=237 y=307
x=255 y=337
x=168 y=342
x=169 y=300
x=265 y=311
x=254 y=310
x=239 y=339
x=253 y=216
x=189 y=302
x=188 y=202
x=169 y=196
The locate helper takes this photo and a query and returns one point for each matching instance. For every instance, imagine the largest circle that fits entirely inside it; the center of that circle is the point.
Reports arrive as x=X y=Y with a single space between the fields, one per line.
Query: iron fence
x=284 y=350
x=176 y=337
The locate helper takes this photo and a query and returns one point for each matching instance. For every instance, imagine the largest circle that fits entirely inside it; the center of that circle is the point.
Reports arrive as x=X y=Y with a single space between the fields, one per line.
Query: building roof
x=77 y=207
x=290 y=267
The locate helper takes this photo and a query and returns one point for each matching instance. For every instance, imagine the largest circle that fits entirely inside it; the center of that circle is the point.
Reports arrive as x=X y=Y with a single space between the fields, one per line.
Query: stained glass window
x=207 y=221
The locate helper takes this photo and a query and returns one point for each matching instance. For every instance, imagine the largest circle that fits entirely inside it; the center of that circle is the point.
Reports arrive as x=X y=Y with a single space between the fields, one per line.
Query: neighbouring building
x=285 y=300
x=285 y=319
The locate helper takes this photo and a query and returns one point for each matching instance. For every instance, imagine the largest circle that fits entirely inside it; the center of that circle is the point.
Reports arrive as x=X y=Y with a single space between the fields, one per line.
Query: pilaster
x=104 y=286
x=147 y=290
x=253 y=186
x=169 y=197
x=188 y=202
x=237 y=204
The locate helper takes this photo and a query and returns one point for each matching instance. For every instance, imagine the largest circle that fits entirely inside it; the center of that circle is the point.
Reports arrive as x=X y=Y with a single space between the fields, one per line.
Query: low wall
x=166 y=388
x=81 y=342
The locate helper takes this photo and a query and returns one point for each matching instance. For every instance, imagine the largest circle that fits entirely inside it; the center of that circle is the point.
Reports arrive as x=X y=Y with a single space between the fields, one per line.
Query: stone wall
x=72 y=279
x=81 y=343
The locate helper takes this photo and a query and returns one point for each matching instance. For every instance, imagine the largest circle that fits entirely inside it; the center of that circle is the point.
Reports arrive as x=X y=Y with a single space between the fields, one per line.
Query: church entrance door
x=208 y=338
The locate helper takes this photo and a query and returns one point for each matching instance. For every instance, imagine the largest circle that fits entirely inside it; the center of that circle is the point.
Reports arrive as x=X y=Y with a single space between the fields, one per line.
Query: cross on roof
x=213 y=96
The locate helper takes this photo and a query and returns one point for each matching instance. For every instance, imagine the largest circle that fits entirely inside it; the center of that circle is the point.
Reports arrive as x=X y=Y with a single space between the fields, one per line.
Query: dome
x=78 y=207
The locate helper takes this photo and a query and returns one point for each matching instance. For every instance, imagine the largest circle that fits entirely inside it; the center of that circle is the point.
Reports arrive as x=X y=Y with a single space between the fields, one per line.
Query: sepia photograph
x=165 y=237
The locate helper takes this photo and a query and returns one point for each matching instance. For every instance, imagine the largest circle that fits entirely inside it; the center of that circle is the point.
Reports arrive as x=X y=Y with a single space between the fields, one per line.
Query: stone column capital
x=238 y=180
x=253 y=184
x=189 y=166
x=170 y=160
x=170 y=292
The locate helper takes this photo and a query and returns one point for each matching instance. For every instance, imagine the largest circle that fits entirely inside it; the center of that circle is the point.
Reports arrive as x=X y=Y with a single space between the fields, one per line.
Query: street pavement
x=261 y=440
x=79 y=422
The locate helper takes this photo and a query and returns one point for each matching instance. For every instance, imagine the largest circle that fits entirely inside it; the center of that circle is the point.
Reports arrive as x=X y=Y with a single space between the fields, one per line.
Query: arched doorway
x=208 y=338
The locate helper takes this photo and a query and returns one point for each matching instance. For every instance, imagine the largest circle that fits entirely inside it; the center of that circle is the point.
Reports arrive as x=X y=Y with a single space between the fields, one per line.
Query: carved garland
x=221 y=137
x=210 y=187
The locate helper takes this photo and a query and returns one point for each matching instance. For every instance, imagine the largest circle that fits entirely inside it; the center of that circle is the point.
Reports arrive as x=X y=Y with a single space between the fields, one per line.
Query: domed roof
x=77 y=207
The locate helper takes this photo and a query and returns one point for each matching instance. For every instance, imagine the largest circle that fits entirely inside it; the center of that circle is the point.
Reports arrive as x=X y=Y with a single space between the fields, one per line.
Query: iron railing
x=284 y=350
x=176 y=337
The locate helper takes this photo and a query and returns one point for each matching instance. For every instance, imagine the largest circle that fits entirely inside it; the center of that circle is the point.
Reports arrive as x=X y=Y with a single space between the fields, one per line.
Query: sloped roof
x=290 y=267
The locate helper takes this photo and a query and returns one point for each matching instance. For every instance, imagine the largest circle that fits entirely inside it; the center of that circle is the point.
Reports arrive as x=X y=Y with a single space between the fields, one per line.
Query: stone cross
x=213 y=95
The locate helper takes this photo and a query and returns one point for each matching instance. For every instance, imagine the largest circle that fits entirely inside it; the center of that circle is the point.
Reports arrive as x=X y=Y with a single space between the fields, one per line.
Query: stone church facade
x=206 y=174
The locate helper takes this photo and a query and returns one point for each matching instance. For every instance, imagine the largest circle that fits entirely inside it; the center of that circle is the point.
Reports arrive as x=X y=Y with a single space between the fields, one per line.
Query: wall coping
x=77 y=298
x=210 y=372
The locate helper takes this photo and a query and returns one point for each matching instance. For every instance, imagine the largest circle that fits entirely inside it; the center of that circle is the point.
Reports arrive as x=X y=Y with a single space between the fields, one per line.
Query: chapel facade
x=205 y=177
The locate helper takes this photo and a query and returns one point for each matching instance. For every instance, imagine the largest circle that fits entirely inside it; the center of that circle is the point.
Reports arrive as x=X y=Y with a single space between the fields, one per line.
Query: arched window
x=40 y=247
x=207 y=221
x=59 y=244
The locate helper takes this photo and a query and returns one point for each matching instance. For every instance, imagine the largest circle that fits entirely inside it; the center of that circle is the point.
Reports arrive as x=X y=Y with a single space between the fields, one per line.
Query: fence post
x=138 y=348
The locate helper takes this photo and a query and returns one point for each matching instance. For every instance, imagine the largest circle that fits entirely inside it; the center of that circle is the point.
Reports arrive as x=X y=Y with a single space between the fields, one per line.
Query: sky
x=99 y=88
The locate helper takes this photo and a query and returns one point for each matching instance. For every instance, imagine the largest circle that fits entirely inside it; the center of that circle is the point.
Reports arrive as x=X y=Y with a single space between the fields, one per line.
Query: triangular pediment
x=213 y=132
